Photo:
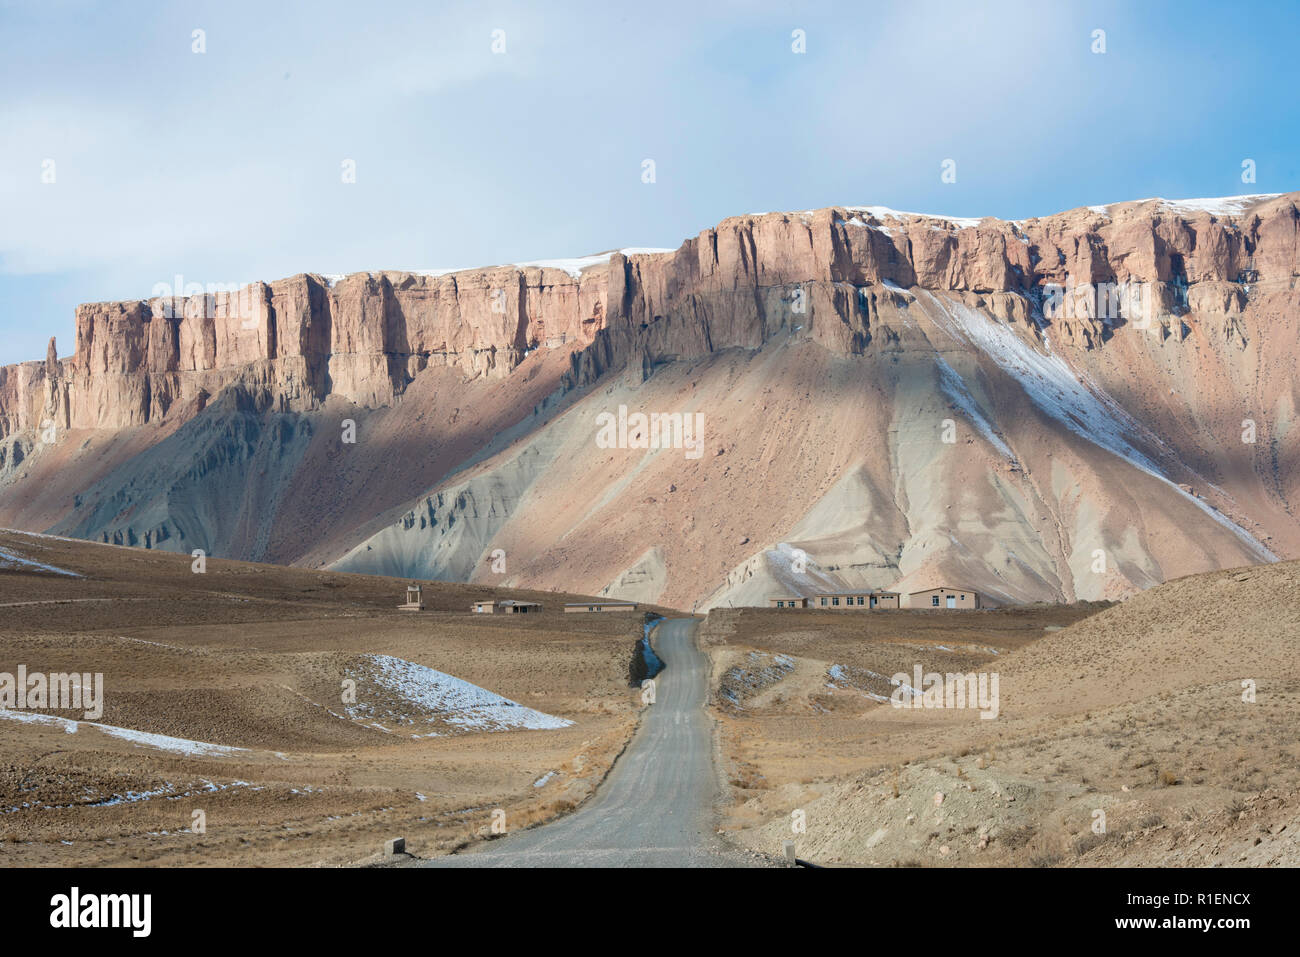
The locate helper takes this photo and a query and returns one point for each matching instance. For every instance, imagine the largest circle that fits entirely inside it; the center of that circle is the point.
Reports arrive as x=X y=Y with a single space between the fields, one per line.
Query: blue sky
x=225 y=166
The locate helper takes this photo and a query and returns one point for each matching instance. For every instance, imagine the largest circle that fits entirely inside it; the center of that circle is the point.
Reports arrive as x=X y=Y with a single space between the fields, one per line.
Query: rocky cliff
x=1208 y=345
x=365 y=336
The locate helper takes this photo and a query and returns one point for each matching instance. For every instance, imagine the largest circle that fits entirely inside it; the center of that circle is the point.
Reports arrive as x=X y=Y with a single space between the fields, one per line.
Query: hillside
x=903 y=397
x=227 y=692
x=1172 y=714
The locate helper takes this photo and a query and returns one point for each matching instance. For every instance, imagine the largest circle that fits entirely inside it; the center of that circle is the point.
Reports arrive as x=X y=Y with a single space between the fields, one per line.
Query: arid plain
x=223 y=695
x=251 y=659
x=1157 y=731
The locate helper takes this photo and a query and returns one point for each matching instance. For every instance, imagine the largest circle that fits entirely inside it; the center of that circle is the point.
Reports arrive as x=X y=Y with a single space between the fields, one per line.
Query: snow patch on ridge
x=955 y=389
x=884 y=212
x=1079 y=405
x=1214 y=205
x=13 y=562
x=573 y=265
x=1049 y=381
x=1222 y=206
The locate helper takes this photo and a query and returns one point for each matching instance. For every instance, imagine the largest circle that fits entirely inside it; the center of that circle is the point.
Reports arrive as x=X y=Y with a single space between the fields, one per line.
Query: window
x=934 y=600
x=860 y=600
x=835 y=601
x=823 y=601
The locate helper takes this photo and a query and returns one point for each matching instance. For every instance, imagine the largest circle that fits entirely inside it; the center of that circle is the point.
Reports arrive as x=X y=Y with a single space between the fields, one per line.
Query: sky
x=133 y=151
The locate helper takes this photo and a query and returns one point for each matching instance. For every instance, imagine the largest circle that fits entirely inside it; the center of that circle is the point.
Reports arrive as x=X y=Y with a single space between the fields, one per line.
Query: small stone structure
x=414 y=598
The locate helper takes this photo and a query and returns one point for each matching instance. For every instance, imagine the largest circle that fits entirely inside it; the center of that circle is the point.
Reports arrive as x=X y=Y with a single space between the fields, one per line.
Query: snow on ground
x=1082 y=407
x=1215 y=206
x=163 y=742
x=645 y=250
x=758 y=671
x=862 y=224
x=1221 y=206
x=168 y=791
x=884 y=212
x=1049 y=381
x=572 y=265
x=842 y=679
x=427 y=695
x=955 y=389
x=13 y=562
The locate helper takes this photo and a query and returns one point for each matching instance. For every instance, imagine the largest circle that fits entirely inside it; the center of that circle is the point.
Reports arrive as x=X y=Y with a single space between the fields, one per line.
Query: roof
x=597 y=601
x=943 y=588
x=841 y=594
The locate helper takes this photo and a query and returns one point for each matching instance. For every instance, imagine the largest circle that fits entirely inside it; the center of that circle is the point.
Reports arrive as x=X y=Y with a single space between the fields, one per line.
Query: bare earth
x=252 y=657
x=1132 y=718
x=1169 y=718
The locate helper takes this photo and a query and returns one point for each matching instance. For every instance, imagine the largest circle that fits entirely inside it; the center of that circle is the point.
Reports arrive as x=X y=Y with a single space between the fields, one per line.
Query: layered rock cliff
x=296 y=341
x=490 y=356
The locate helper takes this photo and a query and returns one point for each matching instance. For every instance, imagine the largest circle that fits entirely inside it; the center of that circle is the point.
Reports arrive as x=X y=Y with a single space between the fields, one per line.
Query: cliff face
x=296 y=341
x=461 y=379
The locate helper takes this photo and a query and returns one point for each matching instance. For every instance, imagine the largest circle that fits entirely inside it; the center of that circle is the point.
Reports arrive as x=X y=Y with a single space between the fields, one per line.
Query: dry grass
x=251 y=657
x=1134 y=709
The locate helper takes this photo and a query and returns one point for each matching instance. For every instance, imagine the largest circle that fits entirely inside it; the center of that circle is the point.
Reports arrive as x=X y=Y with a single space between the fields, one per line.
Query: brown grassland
x=252 y=656
x=1130 y=715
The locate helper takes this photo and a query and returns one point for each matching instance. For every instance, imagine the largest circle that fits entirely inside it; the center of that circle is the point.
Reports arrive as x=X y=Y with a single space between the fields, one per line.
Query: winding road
x=655 y=808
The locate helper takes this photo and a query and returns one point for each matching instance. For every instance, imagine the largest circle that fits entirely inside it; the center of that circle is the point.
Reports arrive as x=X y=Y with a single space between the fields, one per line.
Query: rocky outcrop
x=825 y=349
x=294 y=342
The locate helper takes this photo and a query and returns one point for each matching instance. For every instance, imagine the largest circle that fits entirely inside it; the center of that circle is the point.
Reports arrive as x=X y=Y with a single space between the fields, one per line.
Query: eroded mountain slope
x=895 y=395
